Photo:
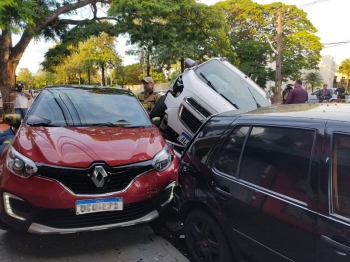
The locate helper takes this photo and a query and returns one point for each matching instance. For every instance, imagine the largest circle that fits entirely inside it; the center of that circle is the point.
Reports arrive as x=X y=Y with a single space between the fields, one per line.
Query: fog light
x=7 y=205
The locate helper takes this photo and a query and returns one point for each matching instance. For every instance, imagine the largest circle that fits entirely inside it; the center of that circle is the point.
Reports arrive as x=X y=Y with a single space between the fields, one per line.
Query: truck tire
x=159 y=108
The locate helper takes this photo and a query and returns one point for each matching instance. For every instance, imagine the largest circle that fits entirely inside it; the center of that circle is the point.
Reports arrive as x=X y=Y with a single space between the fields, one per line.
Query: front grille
x=190 y=120
x=79 y=182
x=67 y=218
x=198 y=107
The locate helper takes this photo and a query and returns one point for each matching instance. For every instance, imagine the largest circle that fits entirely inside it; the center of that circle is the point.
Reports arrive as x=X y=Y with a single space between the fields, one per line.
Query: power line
x=337 y=43
x=310 y=4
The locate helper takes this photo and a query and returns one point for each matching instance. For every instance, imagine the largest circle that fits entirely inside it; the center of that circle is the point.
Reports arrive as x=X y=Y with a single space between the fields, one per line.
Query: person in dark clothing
x=285 y=93
x=324 y=94
x=341 y=91
x=298 y=95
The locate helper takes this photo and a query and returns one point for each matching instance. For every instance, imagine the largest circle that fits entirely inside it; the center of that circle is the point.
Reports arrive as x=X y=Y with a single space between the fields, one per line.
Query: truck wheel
x=205 y=239
x=159 y=108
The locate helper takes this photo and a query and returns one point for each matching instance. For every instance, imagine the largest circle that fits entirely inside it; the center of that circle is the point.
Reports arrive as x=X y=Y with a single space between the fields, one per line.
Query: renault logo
x=98 y=176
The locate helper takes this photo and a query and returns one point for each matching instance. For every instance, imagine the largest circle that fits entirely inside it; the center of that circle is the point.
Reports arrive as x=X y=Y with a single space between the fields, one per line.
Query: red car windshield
x=88 y=106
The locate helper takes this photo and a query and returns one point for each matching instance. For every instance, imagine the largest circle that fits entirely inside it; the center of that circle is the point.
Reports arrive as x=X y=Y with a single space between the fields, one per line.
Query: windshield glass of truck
x=229 y=85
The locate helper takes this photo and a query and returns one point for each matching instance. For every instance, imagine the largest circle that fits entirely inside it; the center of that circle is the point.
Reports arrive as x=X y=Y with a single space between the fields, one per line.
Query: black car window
x=74 y=106
x=227 y=158
x=341 y=175
x=278 y=159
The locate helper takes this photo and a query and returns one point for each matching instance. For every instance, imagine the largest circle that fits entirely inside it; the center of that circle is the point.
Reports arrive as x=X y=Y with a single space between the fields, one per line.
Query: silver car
x=313 y=96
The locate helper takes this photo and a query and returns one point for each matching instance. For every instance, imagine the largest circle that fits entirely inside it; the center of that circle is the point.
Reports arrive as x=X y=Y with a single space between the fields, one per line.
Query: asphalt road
x=135 y=243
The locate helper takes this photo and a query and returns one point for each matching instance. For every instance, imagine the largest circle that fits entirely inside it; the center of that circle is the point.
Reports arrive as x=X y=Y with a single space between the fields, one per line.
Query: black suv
x=272 y=184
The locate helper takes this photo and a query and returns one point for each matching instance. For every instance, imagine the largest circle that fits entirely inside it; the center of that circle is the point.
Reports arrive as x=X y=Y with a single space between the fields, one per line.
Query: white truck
x=212 y=87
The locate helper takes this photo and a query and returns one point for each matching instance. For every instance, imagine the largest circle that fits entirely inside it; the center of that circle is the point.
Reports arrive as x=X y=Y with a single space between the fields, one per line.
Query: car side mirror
x=13 y=120
x=189 y=63
x=156 y=121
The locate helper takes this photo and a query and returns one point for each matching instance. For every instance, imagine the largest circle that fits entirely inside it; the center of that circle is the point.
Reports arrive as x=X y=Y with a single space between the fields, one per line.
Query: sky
x=329 y=17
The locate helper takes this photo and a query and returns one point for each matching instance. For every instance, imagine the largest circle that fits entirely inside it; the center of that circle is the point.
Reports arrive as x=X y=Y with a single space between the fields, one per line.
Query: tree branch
x=28 y=34
x=75 y=22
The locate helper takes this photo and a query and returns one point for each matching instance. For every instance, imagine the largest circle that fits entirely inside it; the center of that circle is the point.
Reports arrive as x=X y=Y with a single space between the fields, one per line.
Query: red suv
x=85 y=158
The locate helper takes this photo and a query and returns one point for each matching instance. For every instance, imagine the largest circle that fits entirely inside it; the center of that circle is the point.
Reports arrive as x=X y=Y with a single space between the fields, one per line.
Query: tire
x=159 y=108
x=333 y=101
x=205 y=239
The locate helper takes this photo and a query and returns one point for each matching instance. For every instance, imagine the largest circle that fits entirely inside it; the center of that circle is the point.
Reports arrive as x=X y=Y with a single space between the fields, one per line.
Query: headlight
x=162 y=160
x=19 y=164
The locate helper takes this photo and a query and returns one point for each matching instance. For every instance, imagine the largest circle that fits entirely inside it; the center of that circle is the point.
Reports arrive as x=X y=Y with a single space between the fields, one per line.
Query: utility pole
x=278 y=78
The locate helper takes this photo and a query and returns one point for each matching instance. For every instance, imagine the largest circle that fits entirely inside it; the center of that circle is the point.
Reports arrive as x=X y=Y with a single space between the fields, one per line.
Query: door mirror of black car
x=13 y=120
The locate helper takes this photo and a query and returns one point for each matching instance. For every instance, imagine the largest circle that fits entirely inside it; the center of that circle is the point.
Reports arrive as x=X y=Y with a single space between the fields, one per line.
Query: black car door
x=333 y=224
x=263 y=179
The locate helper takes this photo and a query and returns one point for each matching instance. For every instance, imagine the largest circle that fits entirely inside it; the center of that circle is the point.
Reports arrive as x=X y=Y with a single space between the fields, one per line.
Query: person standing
x=298 y=95
x=20 y=96
x=30 y=99
x=324 y=94
x=148 y=97
x=341 y=91
x=285 y=93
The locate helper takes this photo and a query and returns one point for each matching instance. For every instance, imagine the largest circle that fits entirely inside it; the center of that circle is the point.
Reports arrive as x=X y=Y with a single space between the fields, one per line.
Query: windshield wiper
x=39 y=121
x=119 y=123
x=236 y=106
x=208 y=82
x=109 y=124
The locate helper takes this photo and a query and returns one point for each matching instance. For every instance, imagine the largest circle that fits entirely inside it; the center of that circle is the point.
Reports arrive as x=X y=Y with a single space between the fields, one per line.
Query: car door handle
x=339 y=248
x=223 y=192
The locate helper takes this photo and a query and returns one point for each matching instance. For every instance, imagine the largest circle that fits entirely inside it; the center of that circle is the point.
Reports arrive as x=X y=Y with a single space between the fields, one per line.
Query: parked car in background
x=36 y=92
x=85 y=158
x=272 y=184
x=313 y=96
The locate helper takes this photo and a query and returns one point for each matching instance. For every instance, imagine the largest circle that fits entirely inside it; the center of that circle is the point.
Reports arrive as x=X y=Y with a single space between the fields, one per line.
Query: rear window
x=70 y=106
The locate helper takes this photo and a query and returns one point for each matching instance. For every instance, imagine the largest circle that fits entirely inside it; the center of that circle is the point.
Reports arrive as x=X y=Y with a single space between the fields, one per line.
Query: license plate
x=98 y=205
x=184 y=138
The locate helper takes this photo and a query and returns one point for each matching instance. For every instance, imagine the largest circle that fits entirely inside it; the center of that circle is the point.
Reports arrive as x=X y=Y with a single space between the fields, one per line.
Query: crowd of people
x=296 y=94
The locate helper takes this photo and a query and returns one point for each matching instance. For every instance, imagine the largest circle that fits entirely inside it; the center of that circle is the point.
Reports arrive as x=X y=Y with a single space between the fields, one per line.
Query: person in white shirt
x=21 y=98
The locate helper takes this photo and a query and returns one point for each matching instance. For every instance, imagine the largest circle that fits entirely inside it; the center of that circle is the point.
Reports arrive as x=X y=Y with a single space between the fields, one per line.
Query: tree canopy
x=249 y=21
x=32 y=19
x=165 y=31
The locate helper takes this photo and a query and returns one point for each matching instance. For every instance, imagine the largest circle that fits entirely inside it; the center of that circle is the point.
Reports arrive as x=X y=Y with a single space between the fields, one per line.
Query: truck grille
x=190 y=120
x=193 y=103
x=79 y=182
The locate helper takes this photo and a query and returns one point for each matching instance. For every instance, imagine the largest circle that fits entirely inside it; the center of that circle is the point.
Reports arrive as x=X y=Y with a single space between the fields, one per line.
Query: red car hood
x=80 y=146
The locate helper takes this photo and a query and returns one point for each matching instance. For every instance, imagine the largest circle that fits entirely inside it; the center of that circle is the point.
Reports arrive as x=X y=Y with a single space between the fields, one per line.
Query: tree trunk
x=148 y=62
x=182 y=62
x=8 y=65
x=89 y=76
x=103 y=82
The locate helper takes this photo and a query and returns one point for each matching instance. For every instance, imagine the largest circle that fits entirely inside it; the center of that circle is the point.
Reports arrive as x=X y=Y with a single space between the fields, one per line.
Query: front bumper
x=22 y=215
